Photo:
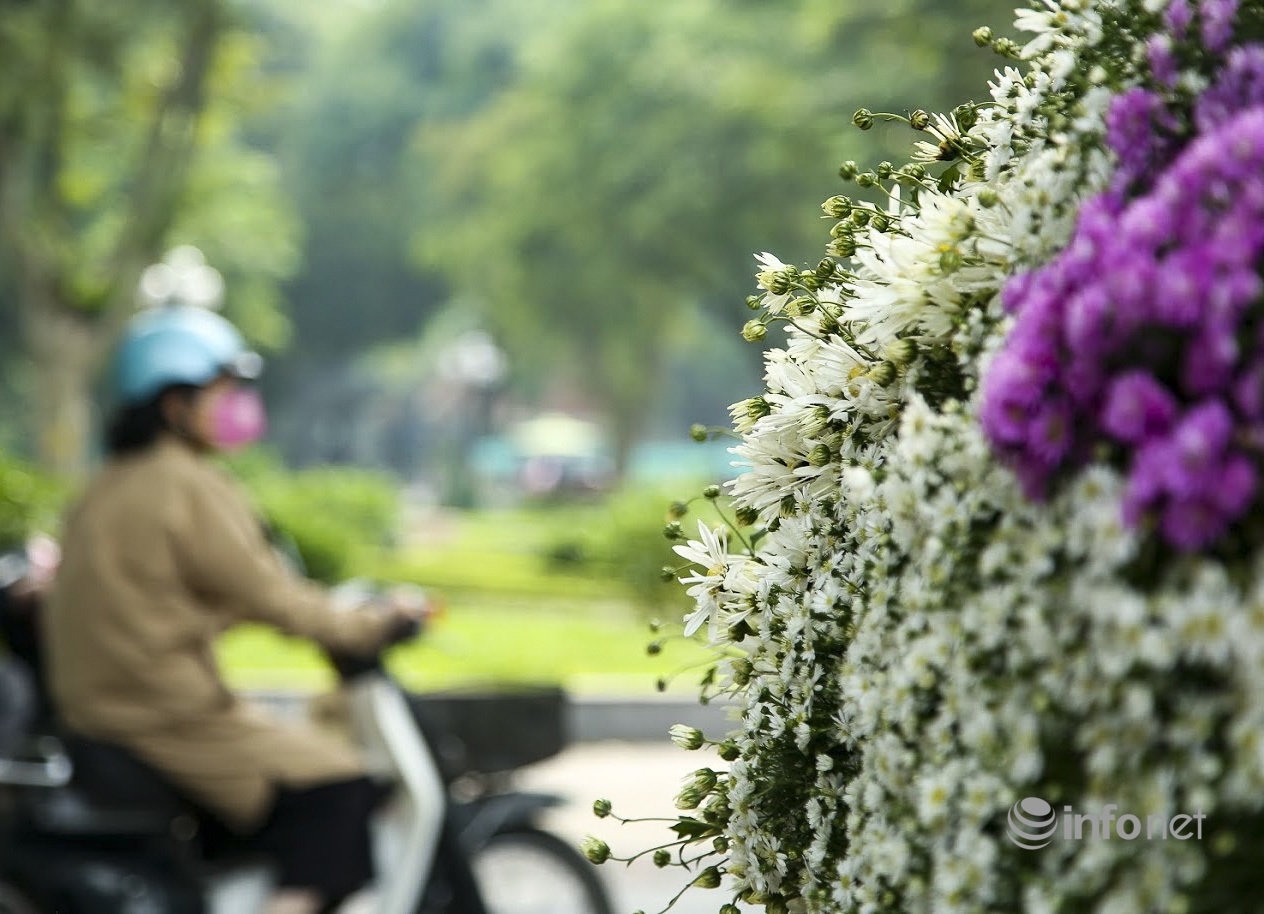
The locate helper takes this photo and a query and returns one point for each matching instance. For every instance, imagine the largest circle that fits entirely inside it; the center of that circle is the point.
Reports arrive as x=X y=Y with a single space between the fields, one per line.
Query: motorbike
x=86 y=828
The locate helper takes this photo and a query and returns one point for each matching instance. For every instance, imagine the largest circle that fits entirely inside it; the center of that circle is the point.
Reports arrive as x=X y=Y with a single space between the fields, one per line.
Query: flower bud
x=860 y=216
x=703 y=780
x=867 y=179
x=885 y=170
x=842 y=247
x=950 y=261
x=730 y=909
x=848 y=170
x=666 y=574
x=880 y=222
x=698 y=432
x=919 y=120
x=711 y=491
x=837 y=206
x=825 y=269
x=708 y=878
x=596 y=850
x=982 y=36
x=778 y=283
x=601 y=808
x=754 y=302
x=758 y=407
x=900 y=352
x=689 y=798
x=882 y=374
x=686 y=737
x=988 y=198
x=662 y=858
x=863 y=119
x=967 y=116
x=776 y=905
x=729 y=752
x=1006 y=47
x=747 y=516
x=677 y=509
x=754 y=331
x=820 y=456
x=673 y=531
x=721 y=844
x=654 y=648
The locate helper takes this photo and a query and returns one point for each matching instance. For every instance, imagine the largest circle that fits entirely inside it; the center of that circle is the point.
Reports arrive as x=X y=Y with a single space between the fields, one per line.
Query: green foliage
x=335 y=517
x=30 y=501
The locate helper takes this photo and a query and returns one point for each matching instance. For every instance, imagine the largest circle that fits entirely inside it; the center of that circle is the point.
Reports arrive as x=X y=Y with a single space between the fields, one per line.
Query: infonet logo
x=1033 y=824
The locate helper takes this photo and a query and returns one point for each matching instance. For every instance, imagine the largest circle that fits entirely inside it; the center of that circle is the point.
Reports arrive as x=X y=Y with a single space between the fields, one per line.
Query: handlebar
x=352 y=666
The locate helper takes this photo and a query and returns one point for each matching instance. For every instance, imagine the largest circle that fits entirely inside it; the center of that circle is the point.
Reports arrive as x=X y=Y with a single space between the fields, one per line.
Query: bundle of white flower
x=963 y=607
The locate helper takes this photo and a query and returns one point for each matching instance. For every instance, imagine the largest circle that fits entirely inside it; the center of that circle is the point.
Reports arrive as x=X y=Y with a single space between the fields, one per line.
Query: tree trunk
x=65 y=349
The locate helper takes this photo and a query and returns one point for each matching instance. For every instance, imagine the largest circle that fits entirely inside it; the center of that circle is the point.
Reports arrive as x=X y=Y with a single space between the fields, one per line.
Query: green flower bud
x=673 y=531
x=800 y=306
x=596 y=850
x=919 y=120
x=601 y=808
x=660 y=684
x=848 y=170
x=967 y=116
x=662 y=858
x=667 y=574
x=825 y=269
x=901 y=352
x=708 y=878
x=704 y=779
x=882 y=374
x=863 y=119
x=885 y=170
x=754 y=302
x=689 y=798
x=686 y=737
x=777 y=905
x=867 y=179
x=860 y=216
x=654 y=648
x=916 y=170
x=698 y=432
x=712 y=491
x=988 y=198
x=779 y=283
x=677 y=509
x=747 y=516
x=729 y=752
x=842 y=229
x=950 y=261
x=758 y=407
x=982 y=36
x=820 y=456
x=1006 y=47
x=842 y=247
x=880 y=222
x=837 y=206
x=730 y=909
x=754 y=331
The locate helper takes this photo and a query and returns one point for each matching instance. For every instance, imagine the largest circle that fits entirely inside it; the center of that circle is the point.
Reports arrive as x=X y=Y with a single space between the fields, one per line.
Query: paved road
x=641 y=779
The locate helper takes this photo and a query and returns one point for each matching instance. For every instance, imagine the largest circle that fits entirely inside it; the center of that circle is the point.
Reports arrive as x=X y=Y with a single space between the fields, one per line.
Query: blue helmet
x=181 y=344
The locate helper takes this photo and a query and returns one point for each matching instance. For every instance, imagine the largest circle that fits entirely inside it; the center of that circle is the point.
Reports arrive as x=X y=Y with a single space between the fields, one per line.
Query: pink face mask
x=237 y=418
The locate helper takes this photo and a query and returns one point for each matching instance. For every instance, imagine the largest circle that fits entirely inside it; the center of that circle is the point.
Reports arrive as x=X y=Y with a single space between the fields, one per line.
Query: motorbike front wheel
x=528 y=871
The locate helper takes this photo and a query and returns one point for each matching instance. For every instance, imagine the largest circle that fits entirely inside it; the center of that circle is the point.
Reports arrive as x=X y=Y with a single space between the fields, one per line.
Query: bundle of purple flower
x=1144 y=340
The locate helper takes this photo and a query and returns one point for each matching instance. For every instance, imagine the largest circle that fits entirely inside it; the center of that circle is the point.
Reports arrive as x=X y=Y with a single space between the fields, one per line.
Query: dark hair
x=136 y=427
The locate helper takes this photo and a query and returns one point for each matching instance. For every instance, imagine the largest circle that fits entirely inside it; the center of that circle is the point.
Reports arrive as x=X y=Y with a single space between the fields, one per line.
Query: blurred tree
x=117 y=139
x=647 y=149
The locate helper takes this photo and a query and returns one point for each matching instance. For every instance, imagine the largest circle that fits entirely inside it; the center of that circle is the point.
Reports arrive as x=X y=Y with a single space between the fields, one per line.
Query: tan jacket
x=160 y=555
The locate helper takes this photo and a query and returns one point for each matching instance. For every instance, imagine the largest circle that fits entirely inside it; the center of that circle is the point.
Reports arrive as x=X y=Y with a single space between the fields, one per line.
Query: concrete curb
x=589 y=719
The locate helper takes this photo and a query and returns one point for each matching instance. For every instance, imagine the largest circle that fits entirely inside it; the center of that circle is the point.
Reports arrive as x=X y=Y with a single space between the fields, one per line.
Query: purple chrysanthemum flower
x=1196 y=449
x=1217 y=23
x=1162 y=59
x=1178 y=17
x=1138 y=407
x=1240 y=85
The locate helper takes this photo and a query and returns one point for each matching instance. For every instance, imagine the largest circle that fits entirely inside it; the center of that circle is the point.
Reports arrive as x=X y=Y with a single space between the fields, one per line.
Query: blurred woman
x=160 y=555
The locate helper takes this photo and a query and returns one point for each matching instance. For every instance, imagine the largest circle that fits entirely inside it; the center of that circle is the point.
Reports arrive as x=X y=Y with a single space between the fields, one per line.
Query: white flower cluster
x=913 y=645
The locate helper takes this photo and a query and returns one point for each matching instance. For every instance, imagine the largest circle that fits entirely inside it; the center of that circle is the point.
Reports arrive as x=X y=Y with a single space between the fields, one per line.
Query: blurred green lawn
x=513 y=616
